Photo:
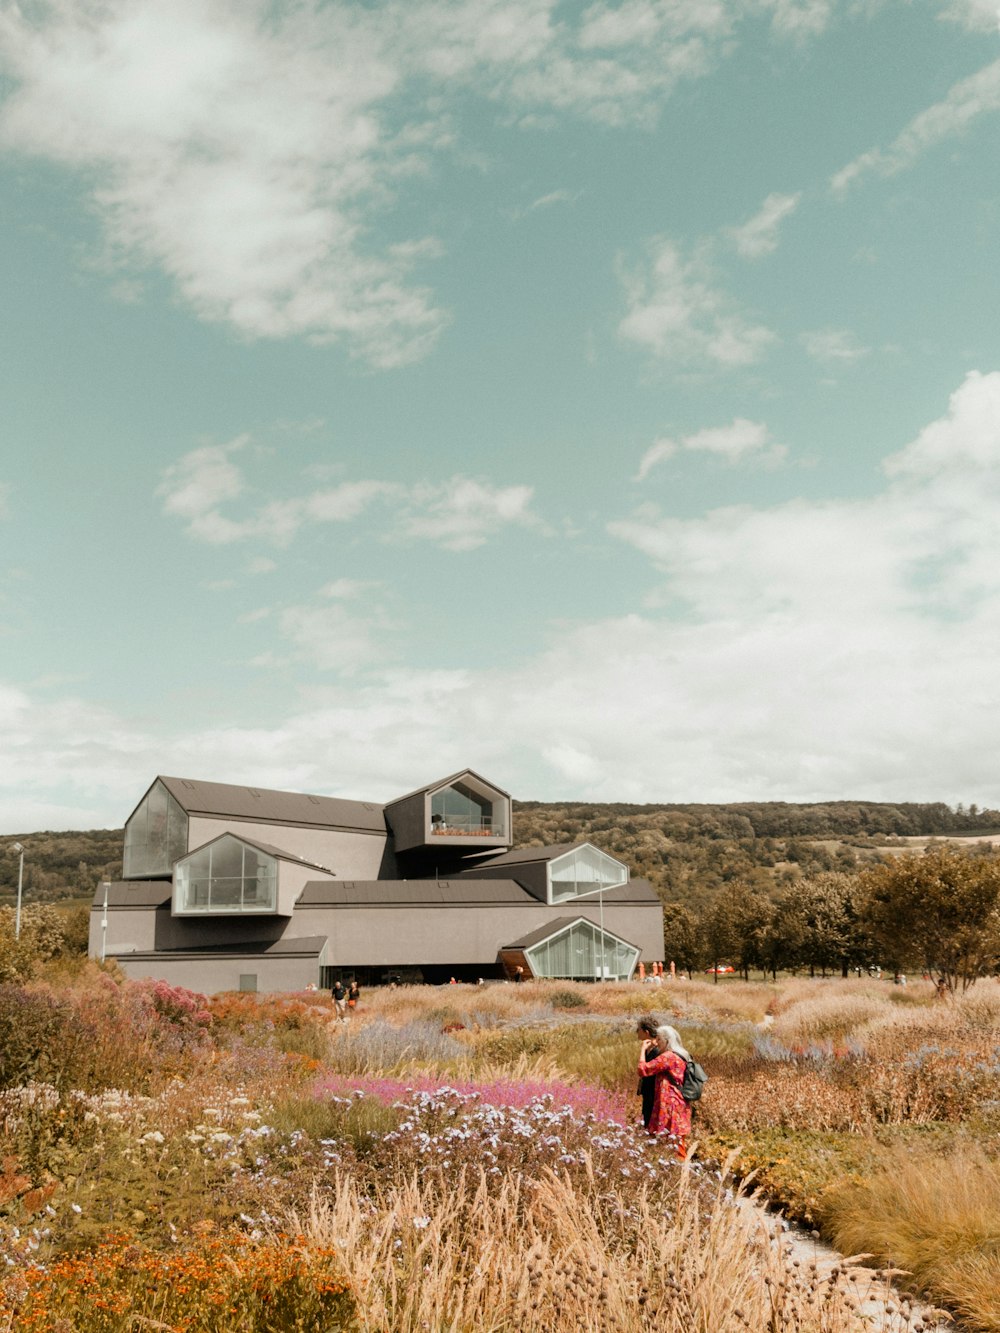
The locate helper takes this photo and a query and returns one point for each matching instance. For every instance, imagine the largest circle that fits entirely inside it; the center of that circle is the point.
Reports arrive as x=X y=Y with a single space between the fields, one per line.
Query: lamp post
x=104 y=922
x=20 y=882
x=604 y=945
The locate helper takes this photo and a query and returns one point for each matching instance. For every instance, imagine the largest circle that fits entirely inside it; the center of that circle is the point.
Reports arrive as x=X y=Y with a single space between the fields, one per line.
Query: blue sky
x=604 y=396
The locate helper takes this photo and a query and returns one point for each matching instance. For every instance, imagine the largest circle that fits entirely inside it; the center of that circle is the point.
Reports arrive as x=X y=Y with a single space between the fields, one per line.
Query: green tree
x=681 y=937
x=939 y=911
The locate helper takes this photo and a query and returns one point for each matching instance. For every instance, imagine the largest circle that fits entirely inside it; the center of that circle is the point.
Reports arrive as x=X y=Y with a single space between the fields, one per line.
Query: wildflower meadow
x=462 y=1158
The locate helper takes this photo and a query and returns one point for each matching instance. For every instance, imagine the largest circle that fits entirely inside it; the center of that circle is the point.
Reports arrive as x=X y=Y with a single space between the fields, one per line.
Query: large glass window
x=155 y=836
x=584 y=870
x=226 y=876
x=459 y=809
x=582 y=952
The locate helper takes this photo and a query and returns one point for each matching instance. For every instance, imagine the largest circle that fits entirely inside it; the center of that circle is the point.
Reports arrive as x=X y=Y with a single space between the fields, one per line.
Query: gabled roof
x=556 y=927
x=273 y=807
x=521 y=855
x=269 y=849
x=414 y=893
x=443 y=782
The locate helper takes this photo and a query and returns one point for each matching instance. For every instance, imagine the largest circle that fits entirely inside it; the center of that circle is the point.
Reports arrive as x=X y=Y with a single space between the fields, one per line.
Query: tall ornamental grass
x=937 y=1217
x=537 y=1256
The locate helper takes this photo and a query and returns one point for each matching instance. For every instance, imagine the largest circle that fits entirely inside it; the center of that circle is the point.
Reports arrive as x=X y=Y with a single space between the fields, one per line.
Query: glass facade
x=583 y=870
x=460 y=810
x=226 y=876
x=577 y=953
x=155 y=836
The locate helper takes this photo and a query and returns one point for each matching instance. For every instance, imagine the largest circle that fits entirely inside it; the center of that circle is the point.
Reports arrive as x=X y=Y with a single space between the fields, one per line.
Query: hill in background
x=688 y=852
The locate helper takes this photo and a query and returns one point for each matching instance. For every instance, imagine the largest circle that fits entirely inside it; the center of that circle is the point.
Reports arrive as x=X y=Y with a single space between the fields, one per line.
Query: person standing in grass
x=340 y=999
x=671 y=1114
x=646 y=1032
x=353 y=994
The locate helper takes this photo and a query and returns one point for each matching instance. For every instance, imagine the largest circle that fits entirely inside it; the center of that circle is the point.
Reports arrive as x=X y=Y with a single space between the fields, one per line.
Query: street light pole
x=104 y=922
x=604 y=942
x=20 y=882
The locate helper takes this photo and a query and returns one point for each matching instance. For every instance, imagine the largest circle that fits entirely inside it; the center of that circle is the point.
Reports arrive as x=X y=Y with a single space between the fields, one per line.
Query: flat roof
x=413 y=893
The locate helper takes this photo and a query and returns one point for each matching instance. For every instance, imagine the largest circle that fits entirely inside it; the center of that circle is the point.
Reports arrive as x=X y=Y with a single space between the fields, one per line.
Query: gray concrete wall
x=397 y=936
x=348 y=855
x=211 y=975
x=131 y=928
x=408 y=820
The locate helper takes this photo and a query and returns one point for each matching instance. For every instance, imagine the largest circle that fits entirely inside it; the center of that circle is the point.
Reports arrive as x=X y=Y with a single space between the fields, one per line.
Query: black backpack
x=692 y=1085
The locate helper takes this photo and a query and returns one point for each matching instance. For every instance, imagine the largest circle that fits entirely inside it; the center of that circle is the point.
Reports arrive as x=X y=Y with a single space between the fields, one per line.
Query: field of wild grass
x=463 y=1158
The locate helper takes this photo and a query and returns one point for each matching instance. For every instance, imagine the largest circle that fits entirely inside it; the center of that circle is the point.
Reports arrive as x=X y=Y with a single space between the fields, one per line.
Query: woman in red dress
x=671 y=1113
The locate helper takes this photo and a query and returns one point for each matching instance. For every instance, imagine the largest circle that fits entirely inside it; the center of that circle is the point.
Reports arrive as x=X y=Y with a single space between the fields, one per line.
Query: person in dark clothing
x=353 y=994
x=646 y=1031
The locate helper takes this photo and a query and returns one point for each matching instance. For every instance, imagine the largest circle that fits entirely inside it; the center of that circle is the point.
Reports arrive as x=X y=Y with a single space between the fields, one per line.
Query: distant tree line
x=936 y=912
x=688 y=852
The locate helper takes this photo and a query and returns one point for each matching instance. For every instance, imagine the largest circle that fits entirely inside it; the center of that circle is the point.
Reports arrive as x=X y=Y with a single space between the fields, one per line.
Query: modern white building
x=241 y=888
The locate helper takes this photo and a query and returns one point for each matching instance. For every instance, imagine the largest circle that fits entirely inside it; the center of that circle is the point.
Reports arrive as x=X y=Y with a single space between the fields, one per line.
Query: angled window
x=460 y=810
x=583 y=952
x=226 y=876
x=583 y=870
x=155 y=836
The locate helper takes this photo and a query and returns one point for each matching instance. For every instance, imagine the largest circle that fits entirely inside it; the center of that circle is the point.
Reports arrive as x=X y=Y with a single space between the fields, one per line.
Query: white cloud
x=459 y=513
x=740 y=440
x=248 y=150
x=462 y=513
x=799 y=19
x=676 y=312
x=833 y=345
x=195 y=486
x=261 y=564
x=733 y=442
x=967 y=100
x=236 y=149
x=973 y=15
x=332 y=636
x=823 y=649
x=658 y=452
x=759 y=235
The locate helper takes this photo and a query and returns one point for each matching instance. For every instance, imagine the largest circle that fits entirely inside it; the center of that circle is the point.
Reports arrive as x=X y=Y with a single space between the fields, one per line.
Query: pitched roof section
x=556 y=927
x=523 y=854
x=274 y=807
x=279 y=853
x=414 y=893
x=443 y=782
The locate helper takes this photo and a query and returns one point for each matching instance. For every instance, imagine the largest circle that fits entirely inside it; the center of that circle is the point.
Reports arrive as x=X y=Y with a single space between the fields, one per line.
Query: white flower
x=154 y=1136
x=421 y=1223
x=76 y=1208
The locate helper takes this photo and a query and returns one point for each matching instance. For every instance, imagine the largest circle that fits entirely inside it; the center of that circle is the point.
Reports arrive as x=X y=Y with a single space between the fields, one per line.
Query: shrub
x=379 y=1045
x=228 y=1285
x=567 y=999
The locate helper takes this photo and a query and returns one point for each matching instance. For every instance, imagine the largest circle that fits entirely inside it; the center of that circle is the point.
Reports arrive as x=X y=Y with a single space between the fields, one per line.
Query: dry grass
x=937 y=1217
x=535 y=1256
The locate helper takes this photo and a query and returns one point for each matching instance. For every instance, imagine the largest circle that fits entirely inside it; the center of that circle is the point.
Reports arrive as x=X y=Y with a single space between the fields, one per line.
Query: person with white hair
x=671 y=1114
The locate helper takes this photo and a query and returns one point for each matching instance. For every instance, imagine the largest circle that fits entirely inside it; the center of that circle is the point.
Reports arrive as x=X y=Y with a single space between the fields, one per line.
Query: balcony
x=467 y=827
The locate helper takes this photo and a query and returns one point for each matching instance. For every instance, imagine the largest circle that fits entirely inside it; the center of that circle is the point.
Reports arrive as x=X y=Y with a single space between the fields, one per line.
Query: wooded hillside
x=688 y=852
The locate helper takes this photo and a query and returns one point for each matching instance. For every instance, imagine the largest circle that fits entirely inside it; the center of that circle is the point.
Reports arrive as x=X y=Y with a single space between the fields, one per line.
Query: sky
x=603 y=396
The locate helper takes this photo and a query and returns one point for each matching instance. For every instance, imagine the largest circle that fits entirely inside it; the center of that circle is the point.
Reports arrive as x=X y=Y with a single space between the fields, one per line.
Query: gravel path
x=878 y=1301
